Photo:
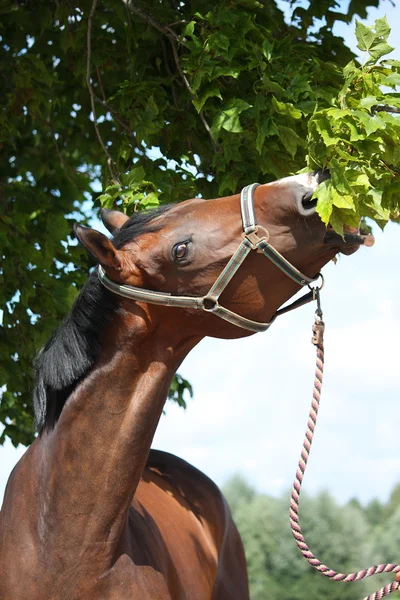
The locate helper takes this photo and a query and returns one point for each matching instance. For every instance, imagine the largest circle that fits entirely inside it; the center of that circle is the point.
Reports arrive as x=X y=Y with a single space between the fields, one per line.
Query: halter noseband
x=251 y=240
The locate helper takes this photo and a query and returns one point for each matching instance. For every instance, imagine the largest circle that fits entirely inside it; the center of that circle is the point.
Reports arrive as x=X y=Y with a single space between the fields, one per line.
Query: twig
x=181 y=22
x=385 y=108
x=393 y=173
x=110 y=161
x=151 y=20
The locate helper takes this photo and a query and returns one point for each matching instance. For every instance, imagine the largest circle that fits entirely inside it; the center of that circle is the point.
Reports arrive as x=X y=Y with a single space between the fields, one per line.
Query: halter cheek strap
x=251 y=240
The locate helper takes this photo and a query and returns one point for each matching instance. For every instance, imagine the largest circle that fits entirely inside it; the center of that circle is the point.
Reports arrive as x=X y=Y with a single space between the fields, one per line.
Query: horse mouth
x=351 y=241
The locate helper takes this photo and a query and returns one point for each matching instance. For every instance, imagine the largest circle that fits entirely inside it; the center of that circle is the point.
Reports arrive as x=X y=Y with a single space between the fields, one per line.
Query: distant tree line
x=345 y=537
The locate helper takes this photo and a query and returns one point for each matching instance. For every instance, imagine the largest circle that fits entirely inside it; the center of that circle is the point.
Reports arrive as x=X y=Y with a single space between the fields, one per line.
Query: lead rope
x=318 y=341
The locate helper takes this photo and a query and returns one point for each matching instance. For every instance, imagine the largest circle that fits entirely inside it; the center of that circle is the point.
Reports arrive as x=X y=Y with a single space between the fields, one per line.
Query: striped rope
x=318 y=331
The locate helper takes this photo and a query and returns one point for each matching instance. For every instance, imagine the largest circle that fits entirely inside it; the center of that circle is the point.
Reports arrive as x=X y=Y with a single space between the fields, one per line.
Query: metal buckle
x=316 y=288
x=316 y=296
x=255 y=239
x=209 y=304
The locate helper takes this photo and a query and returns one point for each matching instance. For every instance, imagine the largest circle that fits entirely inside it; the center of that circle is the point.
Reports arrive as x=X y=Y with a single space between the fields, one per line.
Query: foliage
x=358 y=138
x=345 y=538
x=157 y=102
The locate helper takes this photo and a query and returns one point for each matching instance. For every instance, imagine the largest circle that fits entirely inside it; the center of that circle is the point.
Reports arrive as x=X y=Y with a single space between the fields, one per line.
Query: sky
x=252 y=396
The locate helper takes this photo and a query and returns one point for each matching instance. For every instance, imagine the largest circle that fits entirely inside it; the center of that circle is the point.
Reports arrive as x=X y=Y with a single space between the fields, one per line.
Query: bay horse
x=90 y=512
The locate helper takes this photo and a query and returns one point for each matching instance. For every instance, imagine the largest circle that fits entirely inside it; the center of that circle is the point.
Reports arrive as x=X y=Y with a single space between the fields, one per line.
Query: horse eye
x=180 y=251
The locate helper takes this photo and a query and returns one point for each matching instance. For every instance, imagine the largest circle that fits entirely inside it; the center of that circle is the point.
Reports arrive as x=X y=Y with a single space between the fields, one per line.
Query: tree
x=345 y=538
x=156 y=101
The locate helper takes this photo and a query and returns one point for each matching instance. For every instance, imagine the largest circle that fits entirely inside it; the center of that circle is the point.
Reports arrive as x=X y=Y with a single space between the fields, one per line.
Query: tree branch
x=110 y=162
x=151 y=20
x=181 y=22
x=174 y=39
x=385 y=108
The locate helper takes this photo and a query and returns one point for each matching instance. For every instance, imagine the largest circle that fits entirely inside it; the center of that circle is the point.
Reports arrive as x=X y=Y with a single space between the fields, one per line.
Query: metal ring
x=317 y=287
x=213 y=304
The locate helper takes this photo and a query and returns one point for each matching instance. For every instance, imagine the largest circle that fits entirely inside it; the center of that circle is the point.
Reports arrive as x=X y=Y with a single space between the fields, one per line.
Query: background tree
x=150 y=102
x=346 y=538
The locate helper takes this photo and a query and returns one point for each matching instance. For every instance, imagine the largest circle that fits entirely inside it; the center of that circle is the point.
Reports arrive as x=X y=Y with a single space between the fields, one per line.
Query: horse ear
x=113 y=219
x=99 y=246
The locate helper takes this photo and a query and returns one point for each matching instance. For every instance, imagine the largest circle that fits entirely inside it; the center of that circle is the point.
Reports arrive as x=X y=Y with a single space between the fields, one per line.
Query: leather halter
x=253 y=238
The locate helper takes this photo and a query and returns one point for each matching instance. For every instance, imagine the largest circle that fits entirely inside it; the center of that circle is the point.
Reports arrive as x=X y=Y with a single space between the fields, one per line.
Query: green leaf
x=150 y=201
x=267 y=128
x=236 y=107
x=342 y=200
x=382 y=28
x=189 y=29
x=324 y=204
x=286 y=108
x=393 y=79
x=379 y=50
x=323 y=125
x=136 y=175
x=272 y=86
x=375 y=197
x=218 y=41
x=210 y=91
x=267 y=49
x=106 y=200
x=290 y=139
x=337 y=222
x=365 y=36
x=225 y=71
x=229 y=117
x=392 y=63
x=232 y=124
x=339 y=181
x=369 y=101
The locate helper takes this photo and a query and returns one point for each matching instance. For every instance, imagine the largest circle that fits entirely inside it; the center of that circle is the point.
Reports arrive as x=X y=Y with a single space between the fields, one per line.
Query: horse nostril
x=307 y=198
x=307 y=204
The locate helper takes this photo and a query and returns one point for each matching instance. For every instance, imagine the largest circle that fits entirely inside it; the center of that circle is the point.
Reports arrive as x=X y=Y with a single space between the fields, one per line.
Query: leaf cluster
x=358 y=138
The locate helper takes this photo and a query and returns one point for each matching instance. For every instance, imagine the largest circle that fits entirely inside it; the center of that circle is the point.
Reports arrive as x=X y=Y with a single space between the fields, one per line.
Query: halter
x=254 y=238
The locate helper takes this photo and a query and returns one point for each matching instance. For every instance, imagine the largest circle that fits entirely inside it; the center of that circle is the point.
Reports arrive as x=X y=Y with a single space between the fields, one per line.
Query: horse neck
x=93 y=459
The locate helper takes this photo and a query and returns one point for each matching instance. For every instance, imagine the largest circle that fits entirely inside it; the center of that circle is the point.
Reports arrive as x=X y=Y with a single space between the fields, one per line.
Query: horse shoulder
x=196 y=525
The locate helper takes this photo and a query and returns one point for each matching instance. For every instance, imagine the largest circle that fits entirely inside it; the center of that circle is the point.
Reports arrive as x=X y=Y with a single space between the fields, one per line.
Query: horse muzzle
x=351 y=240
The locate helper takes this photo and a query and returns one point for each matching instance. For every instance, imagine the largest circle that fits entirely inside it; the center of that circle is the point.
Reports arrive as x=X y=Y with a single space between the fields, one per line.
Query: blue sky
x=252 y=396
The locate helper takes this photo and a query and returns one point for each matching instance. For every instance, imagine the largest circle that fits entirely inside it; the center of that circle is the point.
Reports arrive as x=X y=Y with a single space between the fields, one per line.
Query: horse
x=90 y=511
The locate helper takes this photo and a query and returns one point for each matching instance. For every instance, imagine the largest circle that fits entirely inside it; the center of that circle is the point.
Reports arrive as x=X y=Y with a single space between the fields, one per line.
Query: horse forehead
x=197 y=212
x=173 y=222
x=303 y=180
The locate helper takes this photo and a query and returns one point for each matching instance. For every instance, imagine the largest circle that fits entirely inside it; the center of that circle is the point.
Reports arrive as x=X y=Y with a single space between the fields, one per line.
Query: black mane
x=139 y=223
x=73 y=348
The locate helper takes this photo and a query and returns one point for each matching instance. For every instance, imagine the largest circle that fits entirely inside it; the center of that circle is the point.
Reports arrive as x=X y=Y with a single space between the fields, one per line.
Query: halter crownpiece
x=251 y=240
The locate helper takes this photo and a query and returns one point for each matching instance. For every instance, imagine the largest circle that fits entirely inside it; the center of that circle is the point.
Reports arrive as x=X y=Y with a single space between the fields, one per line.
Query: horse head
x=180 y=251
